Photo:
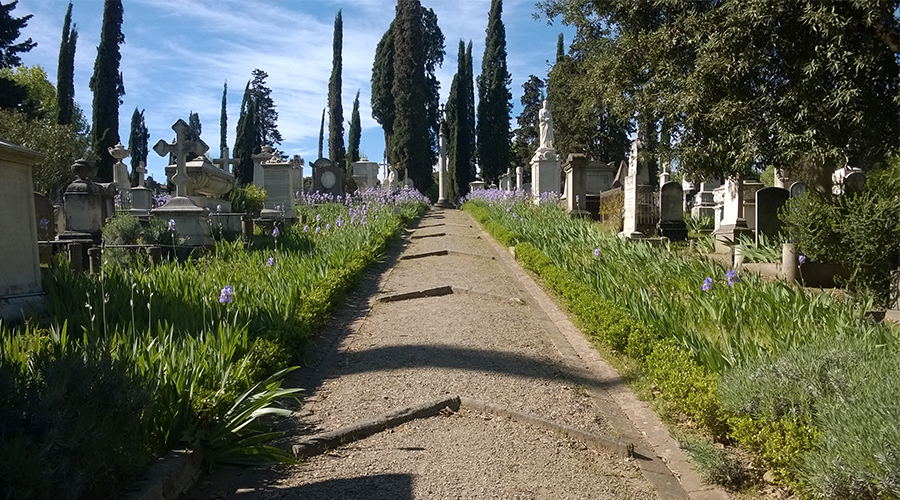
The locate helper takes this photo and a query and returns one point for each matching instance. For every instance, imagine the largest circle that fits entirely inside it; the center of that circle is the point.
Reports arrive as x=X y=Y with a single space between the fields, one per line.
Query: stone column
x=442 y=201
x=520 y=172
x=576 y=192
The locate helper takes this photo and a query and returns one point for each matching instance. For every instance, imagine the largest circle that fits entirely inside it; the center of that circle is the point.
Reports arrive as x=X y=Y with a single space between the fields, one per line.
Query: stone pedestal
x=476 y=185
x=734 y=224
x=545 y=173
x=191 y=222
x=20 y=270
x=279 y=190
x=84 y=209
x=141 y=201
x=576 y=176
x=259 y=175
x=206 y=184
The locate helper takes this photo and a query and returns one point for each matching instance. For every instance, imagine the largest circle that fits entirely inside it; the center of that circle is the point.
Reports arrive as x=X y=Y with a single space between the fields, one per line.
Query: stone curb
x=171 y=475
x=318 y=443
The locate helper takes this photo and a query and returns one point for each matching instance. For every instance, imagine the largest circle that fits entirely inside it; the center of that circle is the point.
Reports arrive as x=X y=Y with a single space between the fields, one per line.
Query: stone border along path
x=449 y=373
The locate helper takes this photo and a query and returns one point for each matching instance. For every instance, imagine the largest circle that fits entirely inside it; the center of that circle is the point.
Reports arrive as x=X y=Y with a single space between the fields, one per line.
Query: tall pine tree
x=459 y=116
x=223 y=121
x=336 y=151
x=322 y=134
x=494 y=99
x=138 y=142
x=264 y=109
x=355 y=133
x=247 y=139
x=409 y=144
x=65 y=71
x=469 y=85
x=106 y=83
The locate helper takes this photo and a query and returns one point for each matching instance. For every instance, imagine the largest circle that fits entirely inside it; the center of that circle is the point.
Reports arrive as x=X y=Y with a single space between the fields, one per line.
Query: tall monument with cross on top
x=191 y=225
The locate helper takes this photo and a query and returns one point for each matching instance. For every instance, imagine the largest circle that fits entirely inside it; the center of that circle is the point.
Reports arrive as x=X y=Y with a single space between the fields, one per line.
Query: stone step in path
x=516 y=403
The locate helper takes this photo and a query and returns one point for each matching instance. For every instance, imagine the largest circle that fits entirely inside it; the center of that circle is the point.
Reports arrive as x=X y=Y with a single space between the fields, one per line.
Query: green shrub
x=247 y=200
x=686 y=386
x=715 y=464
x=777 y=445
x=861 y=231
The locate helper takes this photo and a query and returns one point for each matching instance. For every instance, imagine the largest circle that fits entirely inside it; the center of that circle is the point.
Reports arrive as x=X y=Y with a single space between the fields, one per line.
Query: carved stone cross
x=180 y=147
x=225 y=162
x=140 y=171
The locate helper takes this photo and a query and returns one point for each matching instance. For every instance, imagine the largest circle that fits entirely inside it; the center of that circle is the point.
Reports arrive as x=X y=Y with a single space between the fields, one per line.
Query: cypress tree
x=322 y=133
x=138 y=142
x=223 y=121
x=409 y=144
x=246 y=141
x=433 y=39
x=382 y=80
x=355 y=133
x=468 y=140
x=560 y=48
x=452 y=111
x=459 y=116
x=65 y=71
x=335 y=110
x=494 y=99
x=106 y=83
x=527 y=135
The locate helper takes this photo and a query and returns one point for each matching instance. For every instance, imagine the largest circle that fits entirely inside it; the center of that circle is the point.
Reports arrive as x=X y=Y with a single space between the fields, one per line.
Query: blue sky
x=178 y=53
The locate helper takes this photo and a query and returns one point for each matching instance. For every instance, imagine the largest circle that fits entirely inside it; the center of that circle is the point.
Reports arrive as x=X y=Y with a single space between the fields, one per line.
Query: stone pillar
x=443 y=201
x=790 y=266
x=297 y=174
x=734 y=223
x=545 y=172
x=258 y=171
x=520 y=173
x=141 y=197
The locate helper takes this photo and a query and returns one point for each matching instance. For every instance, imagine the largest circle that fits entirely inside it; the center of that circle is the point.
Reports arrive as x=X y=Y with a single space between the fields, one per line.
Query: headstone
x=505 y=182
x=734 y=223
x=476 y=185
x=259 y=176
x=520 y=172
x=43 y=213
x=798 y=189
x=600 y=176
x=768 y=203
x=855 y=182
x=279 y=190
x=393 y=184
x=20 y=270
x=576 y=172
x=141 y=196
x=191 y=224
x=206 y=184
x=671 y=212
x=846 y=180
x=637 y=206
x=327 y=178
x=545 y=171
x=297 y=174
x=365 y=173
x=83 y=204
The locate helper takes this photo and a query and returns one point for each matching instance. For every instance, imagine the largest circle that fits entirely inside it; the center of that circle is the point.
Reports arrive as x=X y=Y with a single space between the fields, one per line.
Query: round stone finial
x=81 y=168
x=119 y=152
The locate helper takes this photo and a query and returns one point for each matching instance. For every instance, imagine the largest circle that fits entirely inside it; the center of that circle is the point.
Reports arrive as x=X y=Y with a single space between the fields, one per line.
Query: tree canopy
x=527 y=134
x=108 y=88
x=65 y=71
x=494 y=98
x=741 y=85
x=336 y=150
x=355 y=133
x=266 y=116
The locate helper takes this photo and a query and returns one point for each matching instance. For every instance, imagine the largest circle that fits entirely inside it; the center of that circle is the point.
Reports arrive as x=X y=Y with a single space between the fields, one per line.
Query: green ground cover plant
x=142 y=357
x=705 y=330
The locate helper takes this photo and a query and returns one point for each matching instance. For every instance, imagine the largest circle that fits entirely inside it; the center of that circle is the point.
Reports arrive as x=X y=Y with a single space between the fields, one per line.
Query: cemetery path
x=484 y=331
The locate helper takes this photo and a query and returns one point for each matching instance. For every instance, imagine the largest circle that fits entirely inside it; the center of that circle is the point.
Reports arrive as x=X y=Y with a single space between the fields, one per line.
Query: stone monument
x=443 y=201
x=83 y=202
x=520 y=173
x=545 y=171
x=225 y=162
x=576 y=184
x=768 y=202
x=141 y=196
x=191 y=225
x=297 y=175
x=733 y=224
x=259 y=175
x=365 y=173
x=327 y=178
x=20 y=270
x=279 y=190
x=638 y=195
x=671 y=212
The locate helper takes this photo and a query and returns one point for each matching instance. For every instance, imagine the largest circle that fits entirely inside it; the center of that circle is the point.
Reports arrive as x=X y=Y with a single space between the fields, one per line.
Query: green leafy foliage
x=108 y=88
x=249 y=199
x=336 y=150
x=494 y=98
x=715 y=464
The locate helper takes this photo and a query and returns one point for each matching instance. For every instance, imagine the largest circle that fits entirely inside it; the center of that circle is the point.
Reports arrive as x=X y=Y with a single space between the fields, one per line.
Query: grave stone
x=83 y=204
x=704 y=201
x=327 y=178
x=279 y=190
x=671 y=212
x=476 y=185
x=20 y=271
x=768 y=202
x=191 y=223
x=259 y=175
x=637 y=194
x=206 y=184
x=520 y=173
x=847 y=179
x=734 y=223
x=43 y=212
x=225 y=162
x=575 y=193
x=798 y=189
x=365 y=173
x=141 y=196
x=855 y=182
x=600 y=176
x=297 y=175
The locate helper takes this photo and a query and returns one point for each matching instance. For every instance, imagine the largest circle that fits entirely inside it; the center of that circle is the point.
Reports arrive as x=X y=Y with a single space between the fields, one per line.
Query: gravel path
x=487 y=341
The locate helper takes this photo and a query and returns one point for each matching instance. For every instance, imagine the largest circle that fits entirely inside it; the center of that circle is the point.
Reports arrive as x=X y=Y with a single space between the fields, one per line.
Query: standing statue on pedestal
x=546 y=125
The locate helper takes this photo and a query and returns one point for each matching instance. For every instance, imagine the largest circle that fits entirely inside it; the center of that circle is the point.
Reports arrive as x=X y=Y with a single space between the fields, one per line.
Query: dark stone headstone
x=327 y=177
x=46 y=221
x=768 y=202
x=671 y=212
x=854 y=183
x=798 y=189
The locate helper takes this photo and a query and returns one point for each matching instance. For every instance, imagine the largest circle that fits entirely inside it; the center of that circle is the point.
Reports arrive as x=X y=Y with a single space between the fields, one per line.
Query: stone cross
x=140 y=170
x=225 y=162
x=180 y=147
